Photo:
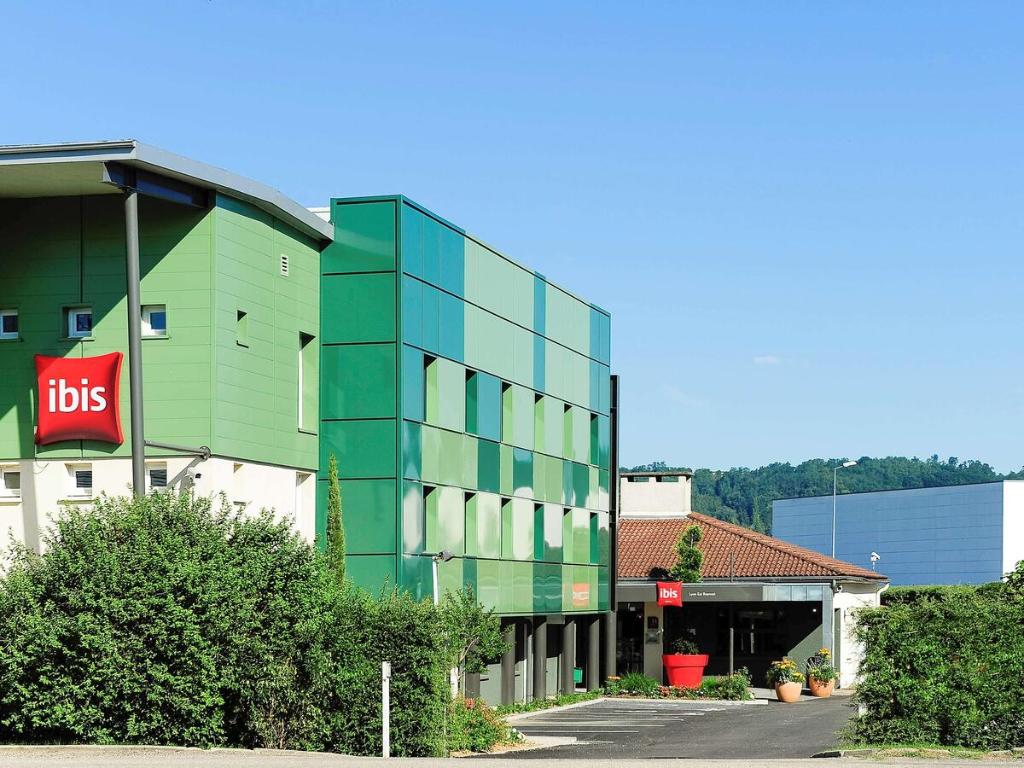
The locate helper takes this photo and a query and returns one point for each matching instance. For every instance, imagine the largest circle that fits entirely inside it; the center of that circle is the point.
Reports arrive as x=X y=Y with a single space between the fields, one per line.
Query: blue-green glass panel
x=540 y=293
x=538 y=532
x=488 y=406
x=580 y=484
x=522 y=472
x=538 y=363
x=595 y=334
x=431 y=241
x=431 y=319
x=604 y=441
x=412 y=311
x=413 y=384
x=413 y=532
x=469 y=571
x=453 y=261
x=451 y=330
x=412 y=241
x=412 y=450
x=567 y=487
x=472 y=407
x=417 y=576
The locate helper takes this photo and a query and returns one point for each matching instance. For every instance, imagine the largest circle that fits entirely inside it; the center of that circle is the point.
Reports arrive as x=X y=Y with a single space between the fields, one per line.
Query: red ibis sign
x=670 y=593
x=79 y=398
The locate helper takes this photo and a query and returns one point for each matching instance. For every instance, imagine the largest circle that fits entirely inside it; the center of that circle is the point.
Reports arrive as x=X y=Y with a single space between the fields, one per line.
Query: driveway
x=646 y=729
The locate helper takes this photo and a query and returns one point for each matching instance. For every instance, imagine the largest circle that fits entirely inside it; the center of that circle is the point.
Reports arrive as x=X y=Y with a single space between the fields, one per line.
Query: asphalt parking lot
x=644 y=729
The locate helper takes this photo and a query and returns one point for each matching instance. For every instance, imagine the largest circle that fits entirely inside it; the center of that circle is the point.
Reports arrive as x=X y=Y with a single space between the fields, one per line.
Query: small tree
x=474 y=632
x=335 y=524
x=689 y=559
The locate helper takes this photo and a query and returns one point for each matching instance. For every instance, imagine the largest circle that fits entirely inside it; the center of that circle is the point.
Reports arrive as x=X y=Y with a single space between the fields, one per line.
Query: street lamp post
x=441 y=557
x=835 y=475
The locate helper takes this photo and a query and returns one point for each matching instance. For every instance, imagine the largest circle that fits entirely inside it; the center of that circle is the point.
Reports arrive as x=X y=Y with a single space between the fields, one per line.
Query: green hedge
x=943 y=666
x=163 y=620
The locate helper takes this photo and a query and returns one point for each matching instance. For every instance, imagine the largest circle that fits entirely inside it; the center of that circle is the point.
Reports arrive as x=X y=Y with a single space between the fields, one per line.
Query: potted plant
x=685 y=665
x=787 y=679
x=821 y=674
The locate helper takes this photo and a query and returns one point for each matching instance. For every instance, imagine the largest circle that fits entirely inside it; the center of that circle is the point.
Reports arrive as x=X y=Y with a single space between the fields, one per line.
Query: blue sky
x=807 y=219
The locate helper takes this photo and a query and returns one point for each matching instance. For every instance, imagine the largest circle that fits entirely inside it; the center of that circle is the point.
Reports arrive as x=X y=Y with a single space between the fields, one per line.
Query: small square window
x=154 y=320
x=79 y=322
x=10 y=483
x=8 y=323
x=156 y=476
x=80 y=476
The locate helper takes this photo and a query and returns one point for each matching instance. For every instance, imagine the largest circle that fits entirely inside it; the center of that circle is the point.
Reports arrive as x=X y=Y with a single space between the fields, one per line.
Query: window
x=154 y=320
x=156 y=476
x=80 y=476
x=10 y=482
x=79 y=322
x=8 y=323
x=308 y=383
x=242 y=328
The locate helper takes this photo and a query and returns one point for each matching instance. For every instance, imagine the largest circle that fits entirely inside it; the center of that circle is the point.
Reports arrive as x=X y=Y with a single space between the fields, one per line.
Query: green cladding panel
x=478 y=389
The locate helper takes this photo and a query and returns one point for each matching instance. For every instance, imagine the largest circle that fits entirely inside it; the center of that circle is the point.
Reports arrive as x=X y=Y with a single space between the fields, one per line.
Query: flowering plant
x=784 y=671
x=820 y=668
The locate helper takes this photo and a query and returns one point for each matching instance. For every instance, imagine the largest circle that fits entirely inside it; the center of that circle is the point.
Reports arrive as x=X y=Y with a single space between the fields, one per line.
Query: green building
x=468 y=400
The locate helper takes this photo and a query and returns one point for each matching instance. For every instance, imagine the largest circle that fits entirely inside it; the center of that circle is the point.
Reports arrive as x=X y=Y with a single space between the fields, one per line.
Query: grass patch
x=923 y=751
x=558 y=701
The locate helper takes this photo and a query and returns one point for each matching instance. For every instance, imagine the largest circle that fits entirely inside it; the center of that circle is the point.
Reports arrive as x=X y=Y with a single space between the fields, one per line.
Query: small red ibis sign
x=670 y=593
x=79 y=398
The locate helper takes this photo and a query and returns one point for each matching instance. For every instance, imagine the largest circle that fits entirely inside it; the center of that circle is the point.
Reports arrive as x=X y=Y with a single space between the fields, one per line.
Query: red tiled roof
x=729 y=551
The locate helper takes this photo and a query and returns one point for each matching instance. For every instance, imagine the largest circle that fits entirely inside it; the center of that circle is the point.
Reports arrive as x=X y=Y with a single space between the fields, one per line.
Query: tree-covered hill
x=744 y=496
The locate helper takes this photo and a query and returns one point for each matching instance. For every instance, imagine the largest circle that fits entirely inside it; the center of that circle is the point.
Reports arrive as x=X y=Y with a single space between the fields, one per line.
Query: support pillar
x=540 y=658
x=508 y=665
x=568 y=659
x=132 y=272
x=472 y=685
x=593 y=672
x=609 y=645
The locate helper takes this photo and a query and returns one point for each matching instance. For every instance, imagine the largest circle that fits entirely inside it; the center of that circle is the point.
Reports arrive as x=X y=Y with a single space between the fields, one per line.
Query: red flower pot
x=685 y=670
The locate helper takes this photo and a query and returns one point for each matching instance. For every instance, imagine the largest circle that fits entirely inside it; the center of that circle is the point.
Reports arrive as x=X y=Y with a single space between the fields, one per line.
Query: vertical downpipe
x=132 y=272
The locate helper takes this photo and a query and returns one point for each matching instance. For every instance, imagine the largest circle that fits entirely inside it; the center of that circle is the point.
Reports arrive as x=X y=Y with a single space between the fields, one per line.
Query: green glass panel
x=595 y=334
x=603 y=539
x=363 y=448
x=522 y=472
x=364 y=238
x=417 y=577
x=469 y=571
x=471 y=525
x=431 y=392
x=488 y=584
x=567 y=435
x=358 y=381
x=522 y=297
x=472 y=409
x=594 y=386
x=413 y=522
x=488 y=407
x=568 y=543
x=580 y=484
x=553 y=422
x=469 y=474
x=507 y=466
x=602 y=589
x=506 y=576
x=412 y=450
x=539 y=304
x=452 y=465
x=451 y=395
x=603 y=483
x=370 y=571
x=358 y=308
x=539 y=408
x=538 y=363
x=566 y=491
x=488 y=466
x=431 y=454
x=594 y=539
x=522 y=574
x=431 y=247
x=488 y=527
x=445 y=520
x=594 y=456
x=507 y=528
x=593 y=486
x=604 y=441
x=450 y=576
x=522 y=529
x=538 y=532
x=539 y=485
x=553 y=479
x=507 y=418
x=368 y=514
x=524 y=417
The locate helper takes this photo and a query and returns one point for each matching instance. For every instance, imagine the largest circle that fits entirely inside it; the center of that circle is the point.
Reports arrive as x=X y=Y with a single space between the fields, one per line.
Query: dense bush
x=163 y=620
x=477 y=727
x=944 y=666
x=734 y=687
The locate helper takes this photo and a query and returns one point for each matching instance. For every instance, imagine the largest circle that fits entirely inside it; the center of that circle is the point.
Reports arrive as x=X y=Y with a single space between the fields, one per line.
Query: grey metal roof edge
x=161 y=161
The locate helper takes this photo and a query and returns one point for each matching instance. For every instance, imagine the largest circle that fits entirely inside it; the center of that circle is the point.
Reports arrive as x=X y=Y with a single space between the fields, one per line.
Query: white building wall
x=1013 y=524
x=47 y=485
x=850 y=653
x=654 y=499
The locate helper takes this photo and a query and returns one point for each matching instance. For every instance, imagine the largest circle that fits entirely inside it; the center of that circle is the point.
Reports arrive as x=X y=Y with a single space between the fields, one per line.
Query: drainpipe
x=132 y=272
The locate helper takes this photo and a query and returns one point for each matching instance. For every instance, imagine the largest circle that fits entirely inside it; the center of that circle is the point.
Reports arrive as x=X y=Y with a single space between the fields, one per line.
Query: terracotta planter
x=820 y=689
x=788 y=693
x=685 y=670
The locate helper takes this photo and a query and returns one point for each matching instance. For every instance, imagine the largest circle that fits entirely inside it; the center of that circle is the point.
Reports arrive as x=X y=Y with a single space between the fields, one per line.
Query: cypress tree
x=335 y=525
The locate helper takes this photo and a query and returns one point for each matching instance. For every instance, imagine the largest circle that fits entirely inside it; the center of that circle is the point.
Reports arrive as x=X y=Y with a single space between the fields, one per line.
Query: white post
x=437 y=593
x=385 y=695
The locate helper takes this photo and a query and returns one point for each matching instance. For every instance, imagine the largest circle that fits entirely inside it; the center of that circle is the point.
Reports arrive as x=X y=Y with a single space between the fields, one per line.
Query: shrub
x=477 y=727
x=634 y=683
x=689 y=558
x=161 y=620
x=734 y=687
x=945 y=667
x=686 y=646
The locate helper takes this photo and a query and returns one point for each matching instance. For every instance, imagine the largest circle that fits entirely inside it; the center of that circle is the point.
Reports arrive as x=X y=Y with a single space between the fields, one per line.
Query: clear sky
x=807 y=220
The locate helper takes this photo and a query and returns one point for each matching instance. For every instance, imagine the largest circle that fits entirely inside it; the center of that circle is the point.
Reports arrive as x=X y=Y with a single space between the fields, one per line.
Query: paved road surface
x=624 y=729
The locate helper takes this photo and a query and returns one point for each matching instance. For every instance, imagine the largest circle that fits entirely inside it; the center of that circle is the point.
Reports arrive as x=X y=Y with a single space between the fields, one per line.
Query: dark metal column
x=132 y=272
x=594 y=653
x=567 y=662
x=508 y=665
x=608 y=645
x=540 y=658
